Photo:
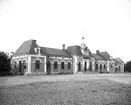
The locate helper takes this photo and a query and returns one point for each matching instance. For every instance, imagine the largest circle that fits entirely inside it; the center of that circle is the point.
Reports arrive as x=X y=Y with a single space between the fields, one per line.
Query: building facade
x=33 y=59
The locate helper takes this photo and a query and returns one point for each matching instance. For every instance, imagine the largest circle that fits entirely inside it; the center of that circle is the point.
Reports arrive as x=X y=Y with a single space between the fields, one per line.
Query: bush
x=5 y=64
x=127 y=67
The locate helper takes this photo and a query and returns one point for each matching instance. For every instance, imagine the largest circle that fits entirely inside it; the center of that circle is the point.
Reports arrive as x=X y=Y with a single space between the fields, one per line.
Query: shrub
x=5 y=64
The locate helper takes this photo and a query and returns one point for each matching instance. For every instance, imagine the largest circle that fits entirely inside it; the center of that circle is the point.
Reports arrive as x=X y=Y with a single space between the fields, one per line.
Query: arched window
x=104 y=66
x=62 y=65
x=96 y=66
x=24 y=64
x=55 y=65
x=15 y=63
x=79 y=66
x=119 y=67
x=100 y=66
x=37 y=64
x=69 y=65
x=111 y=66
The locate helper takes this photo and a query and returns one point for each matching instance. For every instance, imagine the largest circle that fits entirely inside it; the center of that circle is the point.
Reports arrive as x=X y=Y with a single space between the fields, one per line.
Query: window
x=55 y=65
x=104 y=66
x=15 y=63
x=37 y=64
x=96 y=66
x=119 y=67
x=111 y=66
x=62 y=65
x=100 y=66
x=24 y=64
x=69 y=65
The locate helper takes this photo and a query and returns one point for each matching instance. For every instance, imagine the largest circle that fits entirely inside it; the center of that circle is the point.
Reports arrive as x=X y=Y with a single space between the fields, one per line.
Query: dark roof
x=105 y=55
x=54 y=52
x=97 y=57
x=74 y=50
x=118 y=60
x=26 y=48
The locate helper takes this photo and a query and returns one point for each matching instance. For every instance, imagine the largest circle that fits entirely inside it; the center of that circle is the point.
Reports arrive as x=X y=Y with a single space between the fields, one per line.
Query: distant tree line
x=127 y=66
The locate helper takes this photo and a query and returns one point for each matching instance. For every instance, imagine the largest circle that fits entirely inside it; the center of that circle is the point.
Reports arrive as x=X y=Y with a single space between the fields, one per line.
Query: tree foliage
x=128 y=66
x=5 y=62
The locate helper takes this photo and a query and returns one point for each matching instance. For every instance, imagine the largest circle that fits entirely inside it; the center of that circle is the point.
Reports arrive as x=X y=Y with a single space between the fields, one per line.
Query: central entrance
x=48 y=67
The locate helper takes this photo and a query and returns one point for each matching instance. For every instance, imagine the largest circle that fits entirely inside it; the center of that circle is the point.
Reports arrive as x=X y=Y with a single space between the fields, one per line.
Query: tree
x=5 y=62
x=127 y=66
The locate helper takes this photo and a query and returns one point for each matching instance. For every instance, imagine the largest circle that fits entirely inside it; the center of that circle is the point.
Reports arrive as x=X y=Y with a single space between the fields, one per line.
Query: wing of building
x=31 y=58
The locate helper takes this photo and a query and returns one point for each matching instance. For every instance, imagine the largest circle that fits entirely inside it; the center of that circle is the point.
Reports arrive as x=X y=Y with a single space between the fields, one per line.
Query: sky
x=106 y=24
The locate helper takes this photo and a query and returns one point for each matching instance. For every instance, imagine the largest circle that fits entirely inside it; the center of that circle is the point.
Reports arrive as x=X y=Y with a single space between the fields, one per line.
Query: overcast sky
x=106 y=23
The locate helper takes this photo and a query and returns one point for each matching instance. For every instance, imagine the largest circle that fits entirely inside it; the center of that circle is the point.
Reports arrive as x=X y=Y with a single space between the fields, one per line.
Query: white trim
x=38 y=59
x=19 y=60
x=29 y=64
x=21 y=56
x=45 y=64
x=69 y=61
x=37 y=55
x=52 y=57
x=25 y=60
x=49 y=61
x=62 y=61
x=56 y=61
x=80 y=62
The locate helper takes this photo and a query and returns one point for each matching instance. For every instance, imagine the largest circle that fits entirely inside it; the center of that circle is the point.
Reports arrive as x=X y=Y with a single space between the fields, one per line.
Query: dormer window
x=37 y=50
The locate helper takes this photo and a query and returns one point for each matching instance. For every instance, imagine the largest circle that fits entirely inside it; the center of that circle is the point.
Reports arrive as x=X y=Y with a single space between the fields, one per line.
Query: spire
x=83 y=38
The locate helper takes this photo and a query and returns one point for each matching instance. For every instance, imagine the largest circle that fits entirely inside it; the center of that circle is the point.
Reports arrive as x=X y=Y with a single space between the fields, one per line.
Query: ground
x=73 y=89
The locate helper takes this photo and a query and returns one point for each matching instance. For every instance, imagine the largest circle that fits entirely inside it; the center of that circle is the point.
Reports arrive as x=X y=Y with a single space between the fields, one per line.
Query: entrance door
x=90 y=66
x=48 y=67
x=79 y=66
x=85 y=66
x=20 y=67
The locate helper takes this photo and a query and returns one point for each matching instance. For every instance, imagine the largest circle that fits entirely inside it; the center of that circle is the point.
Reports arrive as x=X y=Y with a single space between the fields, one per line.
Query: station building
x=31 y=58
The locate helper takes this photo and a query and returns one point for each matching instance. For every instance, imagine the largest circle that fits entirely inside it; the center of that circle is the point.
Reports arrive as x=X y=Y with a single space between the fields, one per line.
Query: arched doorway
x=79 y=66
x=20 y=67
x=85 y=66
x=96 y=67
x=37 y=65
x=62 y=65
x=119 y=68
x=69 y=65
x=90 y=66
x=48 y=67
x=104 y=66
x=24 y=67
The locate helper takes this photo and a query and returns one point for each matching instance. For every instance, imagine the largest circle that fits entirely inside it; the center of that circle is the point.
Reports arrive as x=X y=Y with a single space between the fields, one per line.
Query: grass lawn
x=89 y=92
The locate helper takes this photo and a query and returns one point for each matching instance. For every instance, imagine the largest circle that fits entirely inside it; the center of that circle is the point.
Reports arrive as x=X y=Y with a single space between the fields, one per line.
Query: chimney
x=63 y=46
x=97 y=51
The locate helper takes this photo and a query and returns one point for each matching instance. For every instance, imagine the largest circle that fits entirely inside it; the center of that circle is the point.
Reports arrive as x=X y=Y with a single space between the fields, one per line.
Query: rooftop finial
x=83 y=34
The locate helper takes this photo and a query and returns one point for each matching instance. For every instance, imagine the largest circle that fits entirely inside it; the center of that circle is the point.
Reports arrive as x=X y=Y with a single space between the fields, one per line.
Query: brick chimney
x=63 y=46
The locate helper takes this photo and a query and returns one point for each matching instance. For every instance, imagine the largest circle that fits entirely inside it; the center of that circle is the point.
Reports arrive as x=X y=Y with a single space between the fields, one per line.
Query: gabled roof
x=97 y=57
x=26 y=48
x=74 y=50
x=54 y=52
x=105 y=55
x=118 y=60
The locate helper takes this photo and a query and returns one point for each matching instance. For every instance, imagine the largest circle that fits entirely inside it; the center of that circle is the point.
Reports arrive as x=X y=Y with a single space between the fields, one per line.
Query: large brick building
x=31 y=58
